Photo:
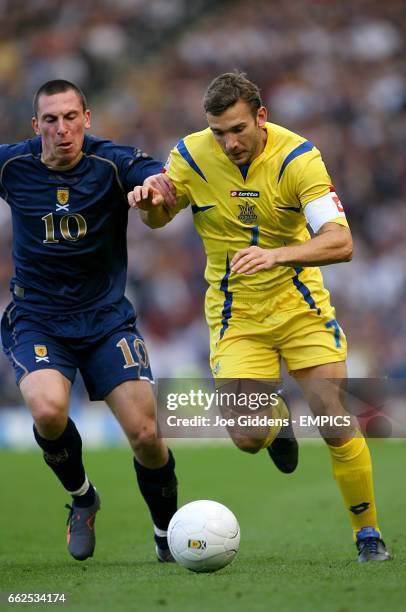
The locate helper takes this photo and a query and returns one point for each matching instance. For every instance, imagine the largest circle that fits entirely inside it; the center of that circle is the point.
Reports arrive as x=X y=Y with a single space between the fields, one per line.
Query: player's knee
x=248 y=445
x=48 y=412
x=143 y=436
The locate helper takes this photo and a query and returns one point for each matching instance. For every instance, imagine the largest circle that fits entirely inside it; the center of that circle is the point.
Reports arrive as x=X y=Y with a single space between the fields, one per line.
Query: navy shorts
x=105 y=347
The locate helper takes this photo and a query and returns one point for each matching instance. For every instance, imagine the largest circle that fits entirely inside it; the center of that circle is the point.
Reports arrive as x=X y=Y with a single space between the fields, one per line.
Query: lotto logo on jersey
x=244 y=194
x=197 y=544
x=41 y=353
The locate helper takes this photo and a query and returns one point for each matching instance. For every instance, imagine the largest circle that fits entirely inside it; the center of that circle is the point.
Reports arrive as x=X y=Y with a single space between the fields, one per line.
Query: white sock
x=83 y=489
x=160 y=532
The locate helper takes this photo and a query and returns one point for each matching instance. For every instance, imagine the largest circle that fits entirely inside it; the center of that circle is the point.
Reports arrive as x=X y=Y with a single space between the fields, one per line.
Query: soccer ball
x=204 y=536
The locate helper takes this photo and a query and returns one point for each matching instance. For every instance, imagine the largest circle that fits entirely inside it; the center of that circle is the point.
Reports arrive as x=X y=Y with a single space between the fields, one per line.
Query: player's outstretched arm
x=332 y=244
x=153 y=199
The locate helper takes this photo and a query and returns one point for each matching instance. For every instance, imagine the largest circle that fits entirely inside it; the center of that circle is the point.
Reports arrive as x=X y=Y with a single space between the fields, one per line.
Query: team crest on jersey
x=62 y=196
x=41 y=353
x=247 y=214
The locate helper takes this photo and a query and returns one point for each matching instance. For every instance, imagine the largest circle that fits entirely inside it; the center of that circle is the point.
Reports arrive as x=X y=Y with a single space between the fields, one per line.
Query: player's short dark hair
x=226 y=89
x=57 y=86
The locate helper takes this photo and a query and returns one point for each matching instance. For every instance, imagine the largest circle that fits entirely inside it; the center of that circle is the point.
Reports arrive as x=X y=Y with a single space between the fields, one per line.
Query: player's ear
x=87 y=119
x=262 y=115
x=34 y=123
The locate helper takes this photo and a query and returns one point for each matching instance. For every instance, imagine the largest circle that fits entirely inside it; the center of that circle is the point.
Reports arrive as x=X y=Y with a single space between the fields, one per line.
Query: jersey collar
x=65 y=167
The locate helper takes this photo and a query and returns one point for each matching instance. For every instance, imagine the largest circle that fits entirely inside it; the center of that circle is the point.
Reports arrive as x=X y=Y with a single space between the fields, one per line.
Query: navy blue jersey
x=69 y=227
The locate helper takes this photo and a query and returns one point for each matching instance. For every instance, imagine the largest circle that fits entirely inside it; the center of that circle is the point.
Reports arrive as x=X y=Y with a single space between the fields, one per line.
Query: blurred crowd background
x=332 y=71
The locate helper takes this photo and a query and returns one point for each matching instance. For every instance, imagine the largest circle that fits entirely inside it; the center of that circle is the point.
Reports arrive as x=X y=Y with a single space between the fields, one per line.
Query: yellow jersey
x=234 y=207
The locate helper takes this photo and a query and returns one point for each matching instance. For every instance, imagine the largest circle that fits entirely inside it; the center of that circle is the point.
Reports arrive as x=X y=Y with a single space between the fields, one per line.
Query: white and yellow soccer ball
x=204 y=536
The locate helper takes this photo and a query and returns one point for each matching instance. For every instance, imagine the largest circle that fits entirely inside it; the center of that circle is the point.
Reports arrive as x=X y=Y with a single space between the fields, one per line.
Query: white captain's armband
x=324 y=209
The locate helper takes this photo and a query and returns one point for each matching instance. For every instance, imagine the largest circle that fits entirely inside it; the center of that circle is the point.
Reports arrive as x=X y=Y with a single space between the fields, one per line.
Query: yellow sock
x=352 y=469
x=279 y=413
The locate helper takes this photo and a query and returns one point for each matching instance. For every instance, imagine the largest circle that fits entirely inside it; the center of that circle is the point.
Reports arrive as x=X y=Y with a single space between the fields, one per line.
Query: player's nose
x=231 y=143
x=61 y=126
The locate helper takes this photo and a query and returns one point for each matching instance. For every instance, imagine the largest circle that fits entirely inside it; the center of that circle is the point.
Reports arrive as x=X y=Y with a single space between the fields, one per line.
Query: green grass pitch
x=296 y=551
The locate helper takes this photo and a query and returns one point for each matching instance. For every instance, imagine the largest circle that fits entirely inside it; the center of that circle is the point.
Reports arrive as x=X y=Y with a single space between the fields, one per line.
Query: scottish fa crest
x=62 y=197
x=41 y=353
x=247 y=214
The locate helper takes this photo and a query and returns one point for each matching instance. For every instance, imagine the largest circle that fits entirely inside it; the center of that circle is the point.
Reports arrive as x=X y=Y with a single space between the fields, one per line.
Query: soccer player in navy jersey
x=67 y=194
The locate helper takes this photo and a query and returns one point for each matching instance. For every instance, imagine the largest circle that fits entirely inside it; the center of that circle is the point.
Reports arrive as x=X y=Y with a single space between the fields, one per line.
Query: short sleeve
x=312 y=179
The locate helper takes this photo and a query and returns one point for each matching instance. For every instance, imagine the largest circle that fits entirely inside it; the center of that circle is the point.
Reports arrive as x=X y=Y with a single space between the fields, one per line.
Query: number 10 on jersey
x=72 y=227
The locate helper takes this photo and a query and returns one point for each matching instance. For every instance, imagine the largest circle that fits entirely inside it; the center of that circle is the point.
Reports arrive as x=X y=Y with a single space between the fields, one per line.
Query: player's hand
x=145 y=197
x=253 y=259
x=162 y=183
x=157 y=190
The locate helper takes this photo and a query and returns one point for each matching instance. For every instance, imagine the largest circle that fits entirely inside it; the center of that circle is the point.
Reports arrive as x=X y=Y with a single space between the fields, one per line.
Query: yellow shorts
x=250 y=334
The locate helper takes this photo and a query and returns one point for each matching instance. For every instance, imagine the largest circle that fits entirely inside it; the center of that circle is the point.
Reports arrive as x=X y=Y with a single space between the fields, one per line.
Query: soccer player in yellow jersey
x=253 y=187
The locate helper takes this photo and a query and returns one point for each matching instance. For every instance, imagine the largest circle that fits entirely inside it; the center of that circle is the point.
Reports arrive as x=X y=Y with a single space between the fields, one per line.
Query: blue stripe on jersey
x=333 y=324
x=186 y=155
x=228 y=301
x=303 y=148
x=196 y=209
x=304 y=290
x=255 y=235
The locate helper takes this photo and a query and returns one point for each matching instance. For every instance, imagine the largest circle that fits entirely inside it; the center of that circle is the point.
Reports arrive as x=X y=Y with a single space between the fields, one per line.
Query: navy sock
x=162 y=542
x=159 y=489
x=64 y=457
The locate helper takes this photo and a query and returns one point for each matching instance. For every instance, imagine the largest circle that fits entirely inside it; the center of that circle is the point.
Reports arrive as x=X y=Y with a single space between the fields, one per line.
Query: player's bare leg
x=46 y=393
x=280 y=442
x=351 y=461
x=133 y=404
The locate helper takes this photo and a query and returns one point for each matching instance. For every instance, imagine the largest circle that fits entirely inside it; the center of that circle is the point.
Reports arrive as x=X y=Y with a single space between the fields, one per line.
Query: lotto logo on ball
x=201 y=544
x=203 y=536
